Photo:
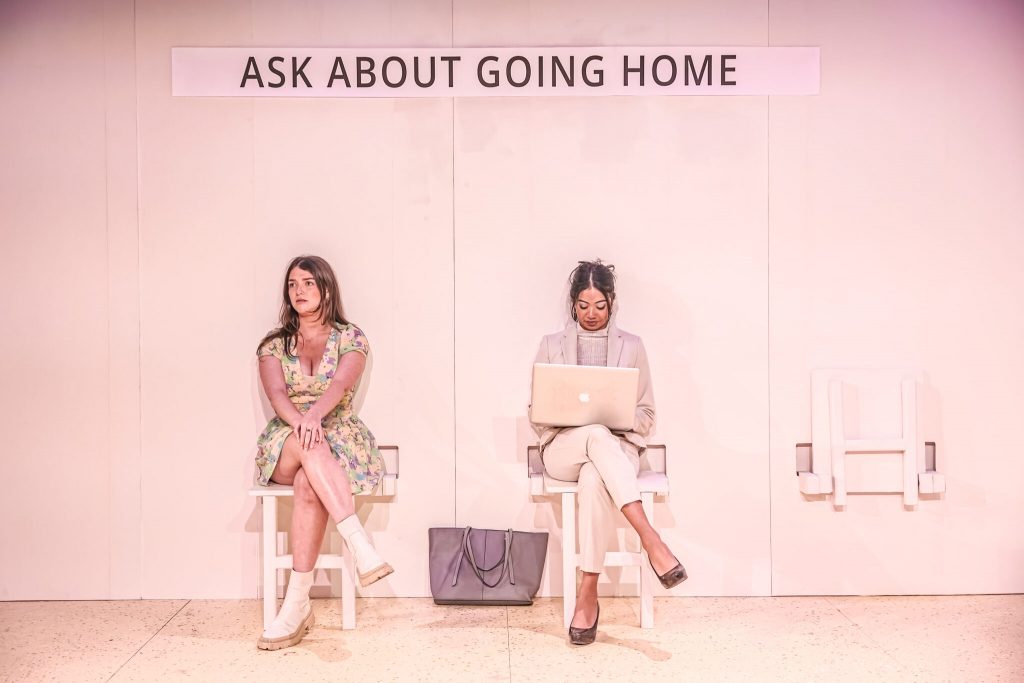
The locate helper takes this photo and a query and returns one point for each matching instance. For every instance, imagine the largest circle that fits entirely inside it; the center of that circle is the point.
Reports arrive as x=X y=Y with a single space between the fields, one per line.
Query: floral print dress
x=351 y=442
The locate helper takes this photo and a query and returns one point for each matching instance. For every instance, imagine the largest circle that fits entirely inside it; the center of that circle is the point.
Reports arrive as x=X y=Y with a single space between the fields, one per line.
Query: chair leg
x=568 y=557
x=269 y=505
x=910 y=456
x=838 y=443
x=646 y=573
x=348 y=589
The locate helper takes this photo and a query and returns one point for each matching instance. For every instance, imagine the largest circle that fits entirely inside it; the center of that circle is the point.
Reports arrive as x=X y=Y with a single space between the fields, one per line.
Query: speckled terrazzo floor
x=960 y=638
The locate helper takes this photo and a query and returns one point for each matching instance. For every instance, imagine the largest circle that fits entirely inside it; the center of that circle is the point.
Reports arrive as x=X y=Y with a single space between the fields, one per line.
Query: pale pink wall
x=756 y=240
x=69 y=272
x=896 y=241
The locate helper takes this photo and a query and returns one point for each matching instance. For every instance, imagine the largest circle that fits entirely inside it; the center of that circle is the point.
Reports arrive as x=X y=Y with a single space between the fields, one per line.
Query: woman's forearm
x=350 y=369
x=329 y=400
x=276 y=389
x=285 y=409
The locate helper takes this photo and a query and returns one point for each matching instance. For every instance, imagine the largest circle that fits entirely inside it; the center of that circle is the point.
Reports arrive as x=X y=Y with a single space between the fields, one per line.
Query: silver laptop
x=576 y=395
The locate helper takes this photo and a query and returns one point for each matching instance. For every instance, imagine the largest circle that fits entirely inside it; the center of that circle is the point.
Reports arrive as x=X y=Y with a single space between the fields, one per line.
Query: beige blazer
x=625 y=350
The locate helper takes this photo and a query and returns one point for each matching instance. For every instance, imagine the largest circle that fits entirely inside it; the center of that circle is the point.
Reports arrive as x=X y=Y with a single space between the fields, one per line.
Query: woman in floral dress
x=316 y=443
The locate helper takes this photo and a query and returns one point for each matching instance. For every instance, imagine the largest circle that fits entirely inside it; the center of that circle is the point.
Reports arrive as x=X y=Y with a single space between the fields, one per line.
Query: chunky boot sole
x=375 y=575
x=291 y=639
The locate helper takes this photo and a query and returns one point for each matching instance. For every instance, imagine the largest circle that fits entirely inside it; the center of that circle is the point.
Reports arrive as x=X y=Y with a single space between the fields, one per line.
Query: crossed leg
x=606 y=471
x=321 y=489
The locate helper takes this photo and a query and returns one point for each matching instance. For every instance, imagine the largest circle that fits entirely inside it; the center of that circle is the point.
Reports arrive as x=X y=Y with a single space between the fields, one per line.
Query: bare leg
x=309 y=521
x=331 y=487
x=662 y=558
x=328 y=480
x=586 y=601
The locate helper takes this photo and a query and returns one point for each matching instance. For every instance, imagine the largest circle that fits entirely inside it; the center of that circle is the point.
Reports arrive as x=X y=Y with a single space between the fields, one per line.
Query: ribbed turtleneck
x=591 y=347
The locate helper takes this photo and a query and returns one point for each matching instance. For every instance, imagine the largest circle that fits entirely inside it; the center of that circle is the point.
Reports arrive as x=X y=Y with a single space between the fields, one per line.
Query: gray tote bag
x=484 y=566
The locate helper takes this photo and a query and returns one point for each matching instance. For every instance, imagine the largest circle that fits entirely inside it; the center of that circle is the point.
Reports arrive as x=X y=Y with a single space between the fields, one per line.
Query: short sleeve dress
x=351 y=442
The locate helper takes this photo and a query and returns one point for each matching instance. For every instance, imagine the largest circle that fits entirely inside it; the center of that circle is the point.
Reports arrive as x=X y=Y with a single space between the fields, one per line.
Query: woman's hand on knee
x=309 y=432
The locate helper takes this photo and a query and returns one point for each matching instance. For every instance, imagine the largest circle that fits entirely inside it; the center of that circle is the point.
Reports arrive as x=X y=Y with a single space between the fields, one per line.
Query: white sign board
x=493 y=72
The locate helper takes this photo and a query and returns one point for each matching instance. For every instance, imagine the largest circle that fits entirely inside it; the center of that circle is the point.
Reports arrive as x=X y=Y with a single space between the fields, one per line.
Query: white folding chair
x=865 y=436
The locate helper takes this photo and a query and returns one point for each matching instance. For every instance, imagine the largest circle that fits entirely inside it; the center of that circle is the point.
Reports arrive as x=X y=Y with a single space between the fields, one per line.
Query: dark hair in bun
x=587 y=274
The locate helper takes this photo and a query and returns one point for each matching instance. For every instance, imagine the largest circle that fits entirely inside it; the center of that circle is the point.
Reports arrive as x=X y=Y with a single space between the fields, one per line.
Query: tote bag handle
x=505 y=560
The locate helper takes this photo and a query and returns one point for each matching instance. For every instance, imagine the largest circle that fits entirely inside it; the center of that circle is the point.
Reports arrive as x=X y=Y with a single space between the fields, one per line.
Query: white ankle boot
x=369 y=564
x=295 y=617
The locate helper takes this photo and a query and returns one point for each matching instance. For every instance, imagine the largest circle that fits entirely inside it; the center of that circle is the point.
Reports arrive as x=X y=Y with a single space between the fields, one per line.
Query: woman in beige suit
x=605 y=463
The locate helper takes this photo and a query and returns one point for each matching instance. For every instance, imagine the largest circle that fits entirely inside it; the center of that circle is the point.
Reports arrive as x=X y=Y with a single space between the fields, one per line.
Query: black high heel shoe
x=673 y=577
x=585 y=636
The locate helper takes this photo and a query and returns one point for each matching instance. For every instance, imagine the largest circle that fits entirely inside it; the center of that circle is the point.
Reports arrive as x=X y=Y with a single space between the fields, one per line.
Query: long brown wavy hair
x=331 y=312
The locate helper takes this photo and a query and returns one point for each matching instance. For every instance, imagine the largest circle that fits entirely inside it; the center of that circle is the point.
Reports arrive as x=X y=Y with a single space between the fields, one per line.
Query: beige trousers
x=605 y=467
